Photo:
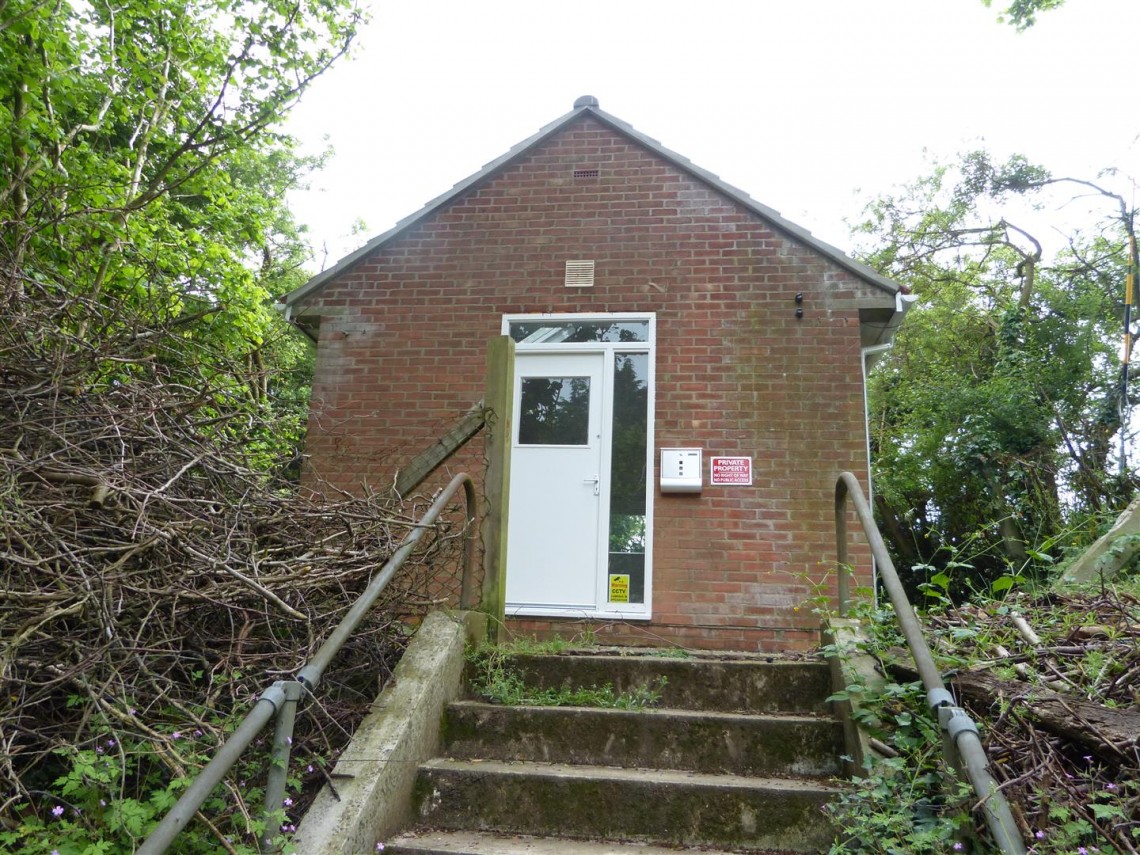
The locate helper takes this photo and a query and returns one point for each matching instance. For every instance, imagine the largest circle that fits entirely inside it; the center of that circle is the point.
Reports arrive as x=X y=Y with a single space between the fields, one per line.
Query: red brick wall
x=402 y=354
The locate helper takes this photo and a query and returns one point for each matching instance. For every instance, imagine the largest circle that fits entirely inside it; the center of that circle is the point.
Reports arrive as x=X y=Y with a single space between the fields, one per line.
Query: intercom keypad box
x=681 y=470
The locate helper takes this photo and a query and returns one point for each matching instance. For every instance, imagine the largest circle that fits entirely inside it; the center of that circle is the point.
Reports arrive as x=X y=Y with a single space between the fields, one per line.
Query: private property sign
x=731 y=470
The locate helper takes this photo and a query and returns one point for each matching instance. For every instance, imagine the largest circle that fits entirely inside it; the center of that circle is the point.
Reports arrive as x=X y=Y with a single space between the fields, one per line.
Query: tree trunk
x=1111 y=734
x=900 y=535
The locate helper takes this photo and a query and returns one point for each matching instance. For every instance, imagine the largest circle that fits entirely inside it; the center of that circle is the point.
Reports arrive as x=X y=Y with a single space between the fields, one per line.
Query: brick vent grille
x=579 y=274
x=585 y=173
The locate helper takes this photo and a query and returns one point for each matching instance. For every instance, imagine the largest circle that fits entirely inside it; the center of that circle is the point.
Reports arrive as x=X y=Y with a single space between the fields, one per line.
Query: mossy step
x=744 y=685
x=692 y=740
x=489 y=843
x=662 y=807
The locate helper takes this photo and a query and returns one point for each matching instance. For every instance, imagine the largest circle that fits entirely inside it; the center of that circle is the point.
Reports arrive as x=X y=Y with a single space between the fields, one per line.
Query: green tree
x=1022 y=14
x=141 y=166
x=147 y=384
x=994 y=417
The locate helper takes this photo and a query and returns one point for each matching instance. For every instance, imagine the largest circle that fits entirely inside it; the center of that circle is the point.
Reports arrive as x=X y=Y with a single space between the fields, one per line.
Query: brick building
x=653 y=307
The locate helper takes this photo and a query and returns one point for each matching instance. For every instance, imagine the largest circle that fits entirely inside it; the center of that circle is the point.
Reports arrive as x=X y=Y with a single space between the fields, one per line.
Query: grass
x=494 y=676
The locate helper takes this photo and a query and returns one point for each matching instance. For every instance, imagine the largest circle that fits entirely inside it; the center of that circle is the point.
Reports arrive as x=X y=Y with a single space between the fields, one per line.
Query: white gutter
x=903 y=302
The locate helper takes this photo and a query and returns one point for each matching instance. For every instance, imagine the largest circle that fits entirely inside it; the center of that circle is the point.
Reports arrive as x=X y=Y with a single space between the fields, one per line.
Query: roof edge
x=771 y=215
x=589 y=106
x=435 y=204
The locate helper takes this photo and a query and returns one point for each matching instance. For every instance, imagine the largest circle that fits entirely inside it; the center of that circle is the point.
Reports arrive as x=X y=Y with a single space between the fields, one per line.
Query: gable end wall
x=402 y=348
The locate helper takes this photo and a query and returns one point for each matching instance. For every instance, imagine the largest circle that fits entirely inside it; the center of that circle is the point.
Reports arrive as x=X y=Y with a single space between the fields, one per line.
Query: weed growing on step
x=669 y=653
x=524 y=646
x=494 y=677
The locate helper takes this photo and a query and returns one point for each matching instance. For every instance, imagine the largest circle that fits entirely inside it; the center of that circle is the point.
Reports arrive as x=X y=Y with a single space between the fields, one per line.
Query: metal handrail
x=961 y=744
x=281 y=698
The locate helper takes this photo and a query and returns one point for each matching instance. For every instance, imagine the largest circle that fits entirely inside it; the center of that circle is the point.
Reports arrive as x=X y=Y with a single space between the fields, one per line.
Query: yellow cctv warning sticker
x=619 y=588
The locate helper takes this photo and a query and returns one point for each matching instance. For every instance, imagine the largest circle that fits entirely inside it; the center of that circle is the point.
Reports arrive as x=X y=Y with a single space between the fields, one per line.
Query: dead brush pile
x=1054 y=679
x=153 y=583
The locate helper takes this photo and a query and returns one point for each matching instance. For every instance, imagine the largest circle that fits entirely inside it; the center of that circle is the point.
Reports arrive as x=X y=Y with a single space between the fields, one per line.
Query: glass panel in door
x=554 y=411
x=627 y=479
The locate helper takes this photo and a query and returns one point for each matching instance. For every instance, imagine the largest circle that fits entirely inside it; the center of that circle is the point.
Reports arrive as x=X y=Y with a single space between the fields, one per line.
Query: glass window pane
x=627 y=471
x=554 y=411
x=556 y=332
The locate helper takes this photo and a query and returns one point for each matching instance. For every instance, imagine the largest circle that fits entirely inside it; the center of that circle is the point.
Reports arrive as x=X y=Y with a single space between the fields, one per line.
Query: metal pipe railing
x=185 y=808
x=310 y=675
x=282 y=697
x=962 y=743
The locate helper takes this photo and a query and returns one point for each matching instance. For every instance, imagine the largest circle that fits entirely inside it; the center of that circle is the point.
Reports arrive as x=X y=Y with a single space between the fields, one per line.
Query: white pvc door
x=556 y=482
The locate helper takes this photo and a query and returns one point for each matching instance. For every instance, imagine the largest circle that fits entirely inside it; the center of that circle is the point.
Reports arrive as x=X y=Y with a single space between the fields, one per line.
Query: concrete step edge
x=790 y=686
x=651 y=663
x=671 y=654
x=678 y=712
x=525 y=769
x=492 y=843
x=698 y=741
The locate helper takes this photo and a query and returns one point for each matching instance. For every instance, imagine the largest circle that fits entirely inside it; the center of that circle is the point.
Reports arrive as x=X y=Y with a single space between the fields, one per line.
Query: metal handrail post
x=848 y=485
x=279 y=762
x=842 y=569
x=967 y=744
x=468 y=595
x=955 y=722
x=185 y=808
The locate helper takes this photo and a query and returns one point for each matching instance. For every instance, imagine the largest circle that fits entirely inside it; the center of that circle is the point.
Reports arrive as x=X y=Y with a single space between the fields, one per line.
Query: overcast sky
x=810 y=106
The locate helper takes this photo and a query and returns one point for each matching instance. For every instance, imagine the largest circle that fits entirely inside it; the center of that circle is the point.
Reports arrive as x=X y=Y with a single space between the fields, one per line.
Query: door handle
x=597 y=482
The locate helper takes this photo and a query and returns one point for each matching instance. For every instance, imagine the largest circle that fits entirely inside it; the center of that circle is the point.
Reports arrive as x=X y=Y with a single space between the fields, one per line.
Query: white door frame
x=603 y=608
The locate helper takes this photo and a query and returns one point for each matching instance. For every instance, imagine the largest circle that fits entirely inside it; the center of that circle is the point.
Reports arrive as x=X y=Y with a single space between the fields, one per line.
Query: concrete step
x=748 y=684
x=662 y=807
x=489 y=843
x=692 y=740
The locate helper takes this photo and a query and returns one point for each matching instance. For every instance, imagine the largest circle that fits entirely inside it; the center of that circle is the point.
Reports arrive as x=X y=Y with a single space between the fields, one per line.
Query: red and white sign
x=731 y=470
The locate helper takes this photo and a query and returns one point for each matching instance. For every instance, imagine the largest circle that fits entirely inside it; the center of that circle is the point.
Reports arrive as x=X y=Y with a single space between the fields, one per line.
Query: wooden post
x=420 y=467
x=499 y=403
